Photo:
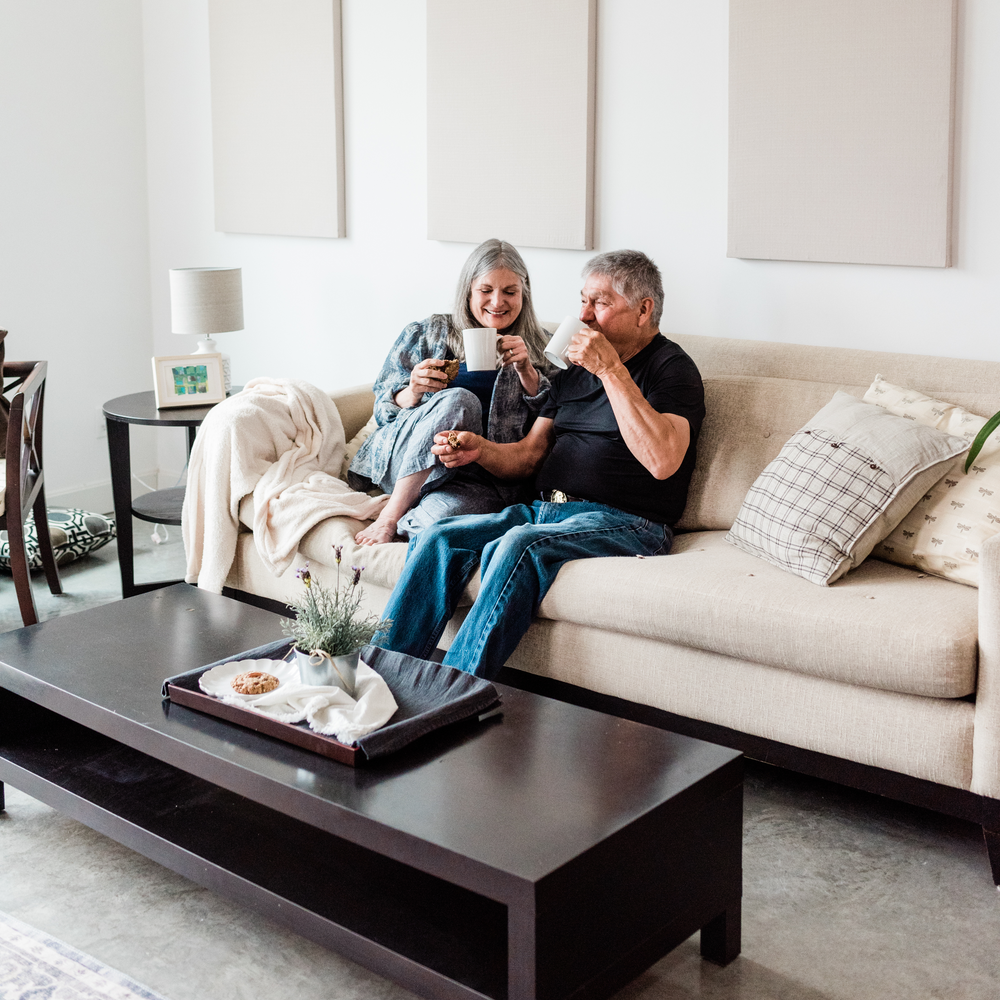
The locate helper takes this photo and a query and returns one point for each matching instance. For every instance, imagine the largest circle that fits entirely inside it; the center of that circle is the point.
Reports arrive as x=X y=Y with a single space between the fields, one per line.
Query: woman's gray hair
x=491 y=256
x=633 y=276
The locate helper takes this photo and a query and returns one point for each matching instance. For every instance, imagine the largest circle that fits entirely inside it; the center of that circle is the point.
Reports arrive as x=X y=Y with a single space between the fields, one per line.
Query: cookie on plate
x=254 y=682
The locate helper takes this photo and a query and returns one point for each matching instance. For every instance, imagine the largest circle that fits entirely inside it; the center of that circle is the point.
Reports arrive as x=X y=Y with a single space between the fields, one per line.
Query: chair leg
x=20 y=571
x=45 y=543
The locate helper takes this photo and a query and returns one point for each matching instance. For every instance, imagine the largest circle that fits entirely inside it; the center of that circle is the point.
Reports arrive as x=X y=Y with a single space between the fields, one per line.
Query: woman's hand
x=456 y=448
x=513 y=351
x=425 y=377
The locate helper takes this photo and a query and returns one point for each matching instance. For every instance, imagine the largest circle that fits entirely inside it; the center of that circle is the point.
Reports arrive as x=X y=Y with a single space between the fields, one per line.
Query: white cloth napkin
x=328 y=710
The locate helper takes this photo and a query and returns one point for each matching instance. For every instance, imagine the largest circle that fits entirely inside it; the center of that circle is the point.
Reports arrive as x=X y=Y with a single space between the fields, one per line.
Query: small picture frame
x=188 y=380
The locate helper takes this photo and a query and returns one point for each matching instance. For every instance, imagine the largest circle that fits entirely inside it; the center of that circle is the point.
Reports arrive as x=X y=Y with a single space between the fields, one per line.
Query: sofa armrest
x=356 y=405
x=986 y=739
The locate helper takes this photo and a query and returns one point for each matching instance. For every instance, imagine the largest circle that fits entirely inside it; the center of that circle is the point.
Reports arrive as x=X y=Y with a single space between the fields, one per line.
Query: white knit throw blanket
x=283 y=441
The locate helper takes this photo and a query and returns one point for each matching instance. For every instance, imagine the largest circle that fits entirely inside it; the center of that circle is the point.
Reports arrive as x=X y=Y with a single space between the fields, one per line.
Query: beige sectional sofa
x=887 y=680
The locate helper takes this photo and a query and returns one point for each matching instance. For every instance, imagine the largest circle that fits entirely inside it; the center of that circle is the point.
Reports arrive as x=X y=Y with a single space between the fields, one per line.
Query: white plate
x=218 y=680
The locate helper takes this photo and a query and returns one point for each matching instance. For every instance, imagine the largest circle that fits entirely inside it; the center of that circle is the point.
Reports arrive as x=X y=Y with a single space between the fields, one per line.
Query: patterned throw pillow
x=838 y=486
x=942 y=535
x=74 y=533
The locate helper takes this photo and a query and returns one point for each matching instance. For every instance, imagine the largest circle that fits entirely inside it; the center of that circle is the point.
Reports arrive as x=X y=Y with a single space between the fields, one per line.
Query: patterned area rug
x=34 y=966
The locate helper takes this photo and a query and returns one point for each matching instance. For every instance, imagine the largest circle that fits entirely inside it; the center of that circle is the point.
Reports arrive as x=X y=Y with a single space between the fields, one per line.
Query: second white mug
x=555 y=349
x=480 y=349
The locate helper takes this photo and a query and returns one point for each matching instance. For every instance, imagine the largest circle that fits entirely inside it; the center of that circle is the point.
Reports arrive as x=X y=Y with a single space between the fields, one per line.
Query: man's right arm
x=506 y=461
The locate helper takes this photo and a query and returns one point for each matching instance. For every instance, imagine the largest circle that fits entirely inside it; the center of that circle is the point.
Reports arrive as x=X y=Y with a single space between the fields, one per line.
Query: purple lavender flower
x=358 y=570
x=337 y=549
x=304 y=575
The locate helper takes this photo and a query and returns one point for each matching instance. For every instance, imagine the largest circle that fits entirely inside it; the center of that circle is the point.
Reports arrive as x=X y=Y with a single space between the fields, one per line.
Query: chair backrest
x=24 y=434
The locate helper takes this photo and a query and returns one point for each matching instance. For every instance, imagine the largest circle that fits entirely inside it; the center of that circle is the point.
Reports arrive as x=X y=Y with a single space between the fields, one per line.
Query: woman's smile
x=496 y=299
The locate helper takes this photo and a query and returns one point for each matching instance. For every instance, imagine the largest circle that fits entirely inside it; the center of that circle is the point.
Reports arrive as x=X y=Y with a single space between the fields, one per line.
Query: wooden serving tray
x=296 y=733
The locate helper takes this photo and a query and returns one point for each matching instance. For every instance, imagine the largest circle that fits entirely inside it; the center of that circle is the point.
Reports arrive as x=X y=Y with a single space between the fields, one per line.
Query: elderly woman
x=414 y=400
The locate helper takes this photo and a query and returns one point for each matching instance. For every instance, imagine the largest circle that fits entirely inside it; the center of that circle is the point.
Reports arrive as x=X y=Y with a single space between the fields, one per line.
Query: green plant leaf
x=977 y=446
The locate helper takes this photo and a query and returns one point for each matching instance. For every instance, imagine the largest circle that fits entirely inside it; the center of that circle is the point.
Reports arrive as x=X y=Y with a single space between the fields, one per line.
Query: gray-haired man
x=612 y=452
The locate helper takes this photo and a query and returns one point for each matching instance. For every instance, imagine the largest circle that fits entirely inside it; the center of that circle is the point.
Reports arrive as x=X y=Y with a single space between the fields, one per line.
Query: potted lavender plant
x=330 y=628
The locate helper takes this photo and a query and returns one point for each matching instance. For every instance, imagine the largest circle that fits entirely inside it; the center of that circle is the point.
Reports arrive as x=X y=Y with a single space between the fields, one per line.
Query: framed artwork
x=841 y=130
x=277 y=116
x=188 y=380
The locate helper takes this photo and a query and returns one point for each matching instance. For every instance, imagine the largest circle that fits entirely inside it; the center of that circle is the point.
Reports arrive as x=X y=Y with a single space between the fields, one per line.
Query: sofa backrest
x=355 y=405
x=758 y=393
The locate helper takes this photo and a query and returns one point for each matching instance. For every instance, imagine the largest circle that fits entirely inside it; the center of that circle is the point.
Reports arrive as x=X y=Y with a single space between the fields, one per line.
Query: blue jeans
x=521 y=550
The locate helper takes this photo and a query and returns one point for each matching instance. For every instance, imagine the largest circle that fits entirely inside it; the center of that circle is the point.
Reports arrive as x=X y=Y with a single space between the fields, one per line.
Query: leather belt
x=557 y=496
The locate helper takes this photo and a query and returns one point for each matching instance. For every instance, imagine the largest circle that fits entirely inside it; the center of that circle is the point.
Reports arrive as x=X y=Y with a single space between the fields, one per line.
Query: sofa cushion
x=945 y=532
x=882 y=626
x=382 y=563
x=838 y=486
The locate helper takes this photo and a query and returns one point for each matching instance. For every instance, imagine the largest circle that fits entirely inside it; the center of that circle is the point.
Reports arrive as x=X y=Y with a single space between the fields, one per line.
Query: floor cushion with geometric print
x=74 y=533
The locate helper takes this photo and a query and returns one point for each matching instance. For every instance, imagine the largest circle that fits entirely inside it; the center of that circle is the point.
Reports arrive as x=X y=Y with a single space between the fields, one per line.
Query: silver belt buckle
x=557 y=496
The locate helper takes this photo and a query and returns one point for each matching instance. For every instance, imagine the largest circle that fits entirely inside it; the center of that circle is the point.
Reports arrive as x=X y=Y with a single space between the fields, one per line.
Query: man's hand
x=457 y=448
x=592 y=350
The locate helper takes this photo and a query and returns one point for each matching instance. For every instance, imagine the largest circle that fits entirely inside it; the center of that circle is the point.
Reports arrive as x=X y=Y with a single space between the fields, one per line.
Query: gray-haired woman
x=414 y=400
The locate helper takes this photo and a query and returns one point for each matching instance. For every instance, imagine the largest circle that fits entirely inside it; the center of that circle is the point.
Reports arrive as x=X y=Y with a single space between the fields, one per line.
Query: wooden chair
x=24 y=488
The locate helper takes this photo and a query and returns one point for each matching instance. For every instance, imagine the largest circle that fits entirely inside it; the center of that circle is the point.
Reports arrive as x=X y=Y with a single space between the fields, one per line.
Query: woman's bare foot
x=404 y=495
x=383 y=529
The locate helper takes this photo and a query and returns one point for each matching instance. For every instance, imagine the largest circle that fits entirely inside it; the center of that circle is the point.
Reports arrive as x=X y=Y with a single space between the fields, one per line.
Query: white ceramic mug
x=480 y=349
x=555 y=349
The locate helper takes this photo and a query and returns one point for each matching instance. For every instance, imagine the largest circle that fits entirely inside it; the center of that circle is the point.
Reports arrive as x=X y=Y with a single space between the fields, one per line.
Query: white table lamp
x=207 y=300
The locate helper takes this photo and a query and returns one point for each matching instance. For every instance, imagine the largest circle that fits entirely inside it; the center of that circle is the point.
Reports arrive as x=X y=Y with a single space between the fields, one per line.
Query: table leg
x=121 y=489
x=521 y=950
x=3 y=801
x=192 y=433
x=721 y=937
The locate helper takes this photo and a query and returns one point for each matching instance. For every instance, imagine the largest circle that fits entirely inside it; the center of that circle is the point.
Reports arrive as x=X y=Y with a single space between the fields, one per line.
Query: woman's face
x=496 y=298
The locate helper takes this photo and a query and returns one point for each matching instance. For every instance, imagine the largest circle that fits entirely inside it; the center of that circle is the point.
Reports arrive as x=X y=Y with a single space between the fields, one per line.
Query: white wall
x=73 y=260
x=328 y=309
x=74 y=265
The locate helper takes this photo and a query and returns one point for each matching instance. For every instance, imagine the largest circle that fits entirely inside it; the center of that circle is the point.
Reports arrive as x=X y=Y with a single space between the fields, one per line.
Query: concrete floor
x=847 y=897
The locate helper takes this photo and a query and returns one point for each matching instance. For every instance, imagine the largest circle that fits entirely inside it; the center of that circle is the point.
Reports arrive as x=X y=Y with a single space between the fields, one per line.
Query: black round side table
x=160 y=506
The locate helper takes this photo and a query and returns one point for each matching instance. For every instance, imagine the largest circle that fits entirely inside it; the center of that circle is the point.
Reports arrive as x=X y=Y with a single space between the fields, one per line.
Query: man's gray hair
x=633 y=276
x=491 y=256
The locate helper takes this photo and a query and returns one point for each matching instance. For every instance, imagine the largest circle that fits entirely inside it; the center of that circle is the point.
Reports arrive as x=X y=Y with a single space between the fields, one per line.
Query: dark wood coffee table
x=551 y=852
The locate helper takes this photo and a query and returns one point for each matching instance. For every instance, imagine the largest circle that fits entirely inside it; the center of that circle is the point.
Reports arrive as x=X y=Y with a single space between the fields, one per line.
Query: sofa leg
x=992 y=838
x=721 y=937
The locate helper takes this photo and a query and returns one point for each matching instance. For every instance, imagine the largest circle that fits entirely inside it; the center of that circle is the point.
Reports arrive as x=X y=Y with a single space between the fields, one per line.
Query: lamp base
x=208 y=346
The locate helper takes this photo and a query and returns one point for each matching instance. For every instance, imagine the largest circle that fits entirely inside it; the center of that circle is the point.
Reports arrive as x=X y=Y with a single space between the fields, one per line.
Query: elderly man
x=612 y=452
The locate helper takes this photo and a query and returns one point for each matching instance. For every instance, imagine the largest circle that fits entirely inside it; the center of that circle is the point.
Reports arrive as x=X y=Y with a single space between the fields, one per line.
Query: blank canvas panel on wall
x=510 y=121
x=840 y=130
x=277 y=126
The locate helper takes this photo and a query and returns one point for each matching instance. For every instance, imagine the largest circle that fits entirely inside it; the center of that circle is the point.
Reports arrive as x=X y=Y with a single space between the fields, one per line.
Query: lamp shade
x=206 y=300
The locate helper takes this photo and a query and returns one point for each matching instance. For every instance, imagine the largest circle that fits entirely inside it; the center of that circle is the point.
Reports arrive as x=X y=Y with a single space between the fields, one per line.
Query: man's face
x=604 y=310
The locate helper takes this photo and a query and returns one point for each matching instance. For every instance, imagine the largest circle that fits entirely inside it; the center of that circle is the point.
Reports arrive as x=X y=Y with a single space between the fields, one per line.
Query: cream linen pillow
x=354 y=444
x=943 y=533
x=838 y=486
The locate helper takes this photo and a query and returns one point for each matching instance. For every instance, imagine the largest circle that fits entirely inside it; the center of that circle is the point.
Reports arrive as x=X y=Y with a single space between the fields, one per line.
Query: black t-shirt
x=590 y=458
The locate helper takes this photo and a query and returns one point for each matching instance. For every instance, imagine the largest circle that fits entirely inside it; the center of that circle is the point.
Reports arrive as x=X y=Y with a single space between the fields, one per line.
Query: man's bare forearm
x=658 y=440
x=506 y=461
x=512 y=461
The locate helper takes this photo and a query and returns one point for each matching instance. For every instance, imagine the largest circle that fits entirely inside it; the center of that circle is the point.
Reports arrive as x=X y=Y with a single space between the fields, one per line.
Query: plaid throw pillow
x=838 y=486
